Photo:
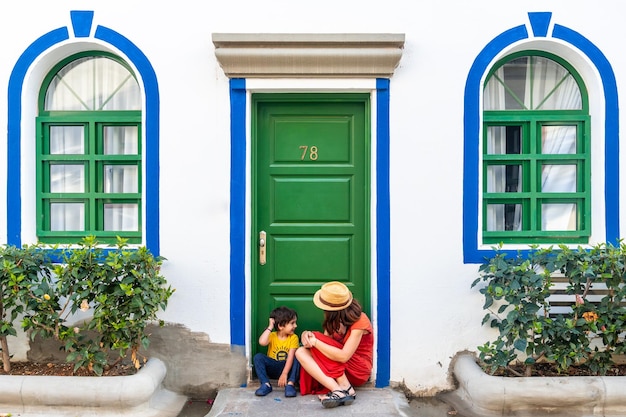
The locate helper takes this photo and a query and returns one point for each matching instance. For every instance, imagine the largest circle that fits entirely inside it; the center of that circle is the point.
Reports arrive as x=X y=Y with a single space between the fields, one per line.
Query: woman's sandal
x=335 y=398
x=349 y=398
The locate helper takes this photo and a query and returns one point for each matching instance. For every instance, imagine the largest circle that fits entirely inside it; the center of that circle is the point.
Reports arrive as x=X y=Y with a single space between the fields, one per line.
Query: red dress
x=358 y=368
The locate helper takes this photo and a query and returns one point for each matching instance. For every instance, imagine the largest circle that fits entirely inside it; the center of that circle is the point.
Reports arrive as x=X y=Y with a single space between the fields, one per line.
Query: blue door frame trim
x=383 y=215
x=82 y=20
x=539 y=24
x=237 y=222
x=237 y=213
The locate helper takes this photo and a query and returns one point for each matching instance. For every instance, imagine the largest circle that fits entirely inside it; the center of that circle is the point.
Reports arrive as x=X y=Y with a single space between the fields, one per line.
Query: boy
x=280 y=362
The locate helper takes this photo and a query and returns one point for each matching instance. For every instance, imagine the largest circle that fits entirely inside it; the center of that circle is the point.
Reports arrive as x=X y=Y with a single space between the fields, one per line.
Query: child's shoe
x=263 y=390
x=290 y=391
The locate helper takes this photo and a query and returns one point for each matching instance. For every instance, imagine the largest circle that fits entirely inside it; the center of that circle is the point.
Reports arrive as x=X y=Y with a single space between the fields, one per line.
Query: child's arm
x=282 y=380
x=264 y=339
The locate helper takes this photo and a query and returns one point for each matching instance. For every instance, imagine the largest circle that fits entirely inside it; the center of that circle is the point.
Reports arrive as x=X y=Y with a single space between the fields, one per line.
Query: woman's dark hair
x=283 y=315
x=348 y=316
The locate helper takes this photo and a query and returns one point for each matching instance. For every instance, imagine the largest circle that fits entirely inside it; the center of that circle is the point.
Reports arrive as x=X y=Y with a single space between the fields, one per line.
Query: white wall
x=434 y=312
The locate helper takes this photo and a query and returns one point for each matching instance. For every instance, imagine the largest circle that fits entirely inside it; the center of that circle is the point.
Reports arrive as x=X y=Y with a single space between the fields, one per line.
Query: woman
x=334 y=362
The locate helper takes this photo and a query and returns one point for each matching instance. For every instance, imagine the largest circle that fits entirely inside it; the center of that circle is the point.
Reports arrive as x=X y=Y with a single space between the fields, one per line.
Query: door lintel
x=302 y=55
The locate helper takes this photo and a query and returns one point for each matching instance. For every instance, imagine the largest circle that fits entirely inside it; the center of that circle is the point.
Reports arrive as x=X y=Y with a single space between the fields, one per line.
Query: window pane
x=93 y=83
x=120 y=179
x=504 y=217
x=67 y=178
x=504 y=140
x=504 y=178
x=67 y=217
x=121 y=217
x=67 y=140
x=558 y=139
x=120 y=140
x=532 y=83
x=558 y=178
x=558 y=216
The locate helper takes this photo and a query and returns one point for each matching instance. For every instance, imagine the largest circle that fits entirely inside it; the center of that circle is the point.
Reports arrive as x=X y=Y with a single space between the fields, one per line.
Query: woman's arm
x=344 y=354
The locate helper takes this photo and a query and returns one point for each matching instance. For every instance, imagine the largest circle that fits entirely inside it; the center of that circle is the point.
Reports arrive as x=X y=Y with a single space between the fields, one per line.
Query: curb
x=140 y=394
x=480 y=394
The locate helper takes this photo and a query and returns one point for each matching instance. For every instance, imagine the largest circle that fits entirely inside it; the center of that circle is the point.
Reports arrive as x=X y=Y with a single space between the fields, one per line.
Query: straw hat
x=333 y=296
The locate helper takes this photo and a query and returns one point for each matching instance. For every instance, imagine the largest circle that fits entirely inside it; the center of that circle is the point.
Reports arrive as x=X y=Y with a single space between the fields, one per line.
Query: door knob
x=262 y=250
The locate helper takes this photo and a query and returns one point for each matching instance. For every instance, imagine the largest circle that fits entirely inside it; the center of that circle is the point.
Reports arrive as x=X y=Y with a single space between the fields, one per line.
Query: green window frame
x=89 y=151
x=536 y=178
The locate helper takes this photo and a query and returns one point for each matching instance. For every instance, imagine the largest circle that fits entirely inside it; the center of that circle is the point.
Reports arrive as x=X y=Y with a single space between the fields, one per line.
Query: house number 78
x=312 y=151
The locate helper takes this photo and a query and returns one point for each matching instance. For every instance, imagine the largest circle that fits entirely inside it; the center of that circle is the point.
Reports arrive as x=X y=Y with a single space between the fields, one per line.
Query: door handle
x=262 y=251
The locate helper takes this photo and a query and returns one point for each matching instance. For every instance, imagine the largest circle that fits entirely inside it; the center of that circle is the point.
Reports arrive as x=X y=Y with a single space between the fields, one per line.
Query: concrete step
x=370 y=402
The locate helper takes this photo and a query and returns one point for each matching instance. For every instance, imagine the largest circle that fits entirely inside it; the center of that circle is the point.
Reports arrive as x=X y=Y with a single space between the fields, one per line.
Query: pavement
x=370 y=402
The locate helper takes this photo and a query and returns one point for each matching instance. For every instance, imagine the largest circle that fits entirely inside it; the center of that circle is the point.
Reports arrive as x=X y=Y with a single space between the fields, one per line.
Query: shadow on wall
x=196 y=367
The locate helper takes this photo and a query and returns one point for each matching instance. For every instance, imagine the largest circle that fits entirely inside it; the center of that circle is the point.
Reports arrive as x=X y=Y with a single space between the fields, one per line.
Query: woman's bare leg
x=308 y=363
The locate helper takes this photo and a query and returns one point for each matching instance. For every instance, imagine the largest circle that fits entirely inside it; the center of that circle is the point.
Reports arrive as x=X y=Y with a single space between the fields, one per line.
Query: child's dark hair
x=283 y=315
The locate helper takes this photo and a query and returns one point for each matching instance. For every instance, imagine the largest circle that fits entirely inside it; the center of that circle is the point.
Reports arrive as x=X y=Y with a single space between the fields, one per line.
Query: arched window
x=536 y=152
x=89 y=152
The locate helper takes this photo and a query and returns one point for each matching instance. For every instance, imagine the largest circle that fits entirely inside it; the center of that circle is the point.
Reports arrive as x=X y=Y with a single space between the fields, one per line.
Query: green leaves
x=516 y=291
x=121 y=288
x=18 y=267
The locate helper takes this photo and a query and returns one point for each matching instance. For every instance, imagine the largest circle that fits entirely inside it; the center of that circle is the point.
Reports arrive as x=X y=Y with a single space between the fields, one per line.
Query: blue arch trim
x=539 y=22
x=471 y=133
x=82 y=20
x=611 y=126
x=14 y=134
x=383 y=253
x=471 y=253
x=237 y=212
x=151 y=87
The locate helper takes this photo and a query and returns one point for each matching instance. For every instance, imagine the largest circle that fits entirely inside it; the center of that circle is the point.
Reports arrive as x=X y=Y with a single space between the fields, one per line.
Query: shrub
x=121 y=287
x=516 y=291
x=18 y=267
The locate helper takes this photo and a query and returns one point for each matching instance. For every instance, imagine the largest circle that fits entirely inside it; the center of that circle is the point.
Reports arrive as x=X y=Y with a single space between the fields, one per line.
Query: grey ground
x=371 y=402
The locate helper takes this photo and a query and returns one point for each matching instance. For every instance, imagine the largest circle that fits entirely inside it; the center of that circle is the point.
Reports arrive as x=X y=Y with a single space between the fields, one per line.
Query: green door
x=310 y=193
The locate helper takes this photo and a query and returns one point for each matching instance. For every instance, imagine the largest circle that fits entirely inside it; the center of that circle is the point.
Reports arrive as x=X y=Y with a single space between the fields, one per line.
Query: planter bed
x=139 y=395
x=480 y=394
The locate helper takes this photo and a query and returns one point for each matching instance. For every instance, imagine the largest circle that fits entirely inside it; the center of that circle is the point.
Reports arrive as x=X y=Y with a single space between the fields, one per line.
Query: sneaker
x=290 y=391
x=263 y=390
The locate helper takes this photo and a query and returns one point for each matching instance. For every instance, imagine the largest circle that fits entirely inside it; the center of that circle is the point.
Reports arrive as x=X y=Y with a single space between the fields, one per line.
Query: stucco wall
x=434 y=313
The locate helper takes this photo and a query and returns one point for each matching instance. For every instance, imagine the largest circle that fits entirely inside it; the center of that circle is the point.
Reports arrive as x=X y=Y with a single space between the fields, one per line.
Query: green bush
x=121 y=288
x=18 y=267
x=516 y=291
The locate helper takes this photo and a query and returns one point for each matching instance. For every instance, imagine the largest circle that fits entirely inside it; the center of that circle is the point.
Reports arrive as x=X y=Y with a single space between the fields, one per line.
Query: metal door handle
x=262 y=251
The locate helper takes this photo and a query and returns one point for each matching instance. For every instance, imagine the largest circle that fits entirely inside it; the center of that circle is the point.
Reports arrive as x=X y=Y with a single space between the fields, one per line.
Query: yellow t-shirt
x=278 y=349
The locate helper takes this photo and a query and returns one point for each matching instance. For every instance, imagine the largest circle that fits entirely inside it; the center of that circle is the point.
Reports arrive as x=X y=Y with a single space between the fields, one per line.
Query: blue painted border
x=383 y=253
x=81 y=22
x=238 y=221
x=152 y=131
x=237 y=212
x=611 y=126
x=16 y=82
x=14 y=129
x=471 y=119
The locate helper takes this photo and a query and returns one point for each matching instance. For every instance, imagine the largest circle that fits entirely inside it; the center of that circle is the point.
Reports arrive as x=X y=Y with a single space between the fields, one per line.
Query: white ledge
x=140 y=394
x=263 y=55
x=480 y=394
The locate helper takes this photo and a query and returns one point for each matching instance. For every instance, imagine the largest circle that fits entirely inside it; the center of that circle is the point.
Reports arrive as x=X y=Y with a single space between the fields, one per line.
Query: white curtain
x=121 y=217
x=555 y=89
x=548 y=86
x=94 y=83
x=497 y=183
